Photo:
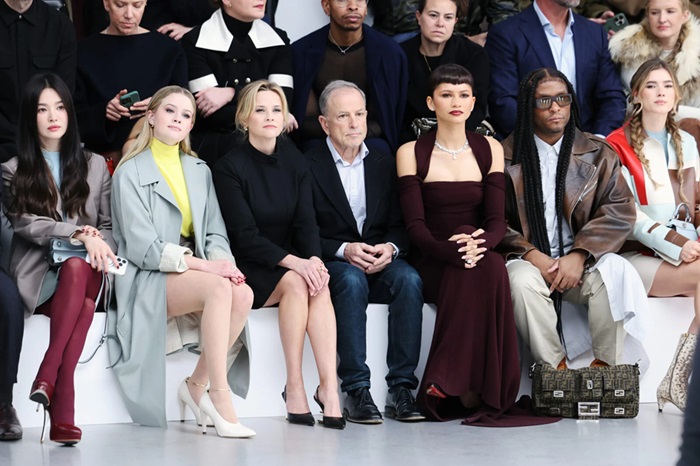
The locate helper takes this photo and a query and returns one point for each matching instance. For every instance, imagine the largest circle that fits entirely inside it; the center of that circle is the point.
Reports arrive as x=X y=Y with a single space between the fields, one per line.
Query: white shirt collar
x=543 y=19
x=544 y=147
x=364 y=151
x=214 y=35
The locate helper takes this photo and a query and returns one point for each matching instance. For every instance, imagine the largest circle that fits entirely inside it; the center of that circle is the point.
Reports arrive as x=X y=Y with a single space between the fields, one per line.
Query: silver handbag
x=683 y=227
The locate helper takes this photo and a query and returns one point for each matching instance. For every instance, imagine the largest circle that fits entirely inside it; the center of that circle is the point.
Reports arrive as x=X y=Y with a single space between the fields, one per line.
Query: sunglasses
x=544 y=103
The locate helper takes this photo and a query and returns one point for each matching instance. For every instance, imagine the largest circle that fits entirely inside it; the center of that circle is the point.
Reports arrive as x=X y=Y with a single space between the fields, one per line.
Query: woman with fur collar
x=669 y=32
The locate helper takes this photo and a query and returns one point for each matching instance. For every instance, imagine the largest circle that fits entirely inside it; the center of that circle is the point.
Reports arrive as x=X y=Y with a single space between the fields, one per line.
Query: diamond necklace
x=453 y=153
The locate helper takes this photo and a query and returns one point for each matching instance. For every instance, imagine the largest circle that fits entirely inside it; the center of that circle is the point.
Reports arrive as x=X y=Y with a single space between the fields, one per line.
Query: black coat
x=384 y=222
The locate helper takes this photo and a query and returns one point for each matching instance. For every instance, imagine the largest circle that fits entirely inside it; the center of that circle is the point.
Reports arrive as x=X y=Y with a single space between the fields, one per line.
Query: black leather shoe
x=360 y=408
x=10 y=428
x=401 y=406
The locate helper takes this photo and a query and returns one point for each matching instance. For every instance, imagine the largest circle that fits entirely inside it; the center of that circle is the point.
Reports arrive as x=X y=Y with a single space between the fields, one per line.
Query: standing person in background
x=662 y=168
x=55 y=189
x=35 y=38
x=229 y=51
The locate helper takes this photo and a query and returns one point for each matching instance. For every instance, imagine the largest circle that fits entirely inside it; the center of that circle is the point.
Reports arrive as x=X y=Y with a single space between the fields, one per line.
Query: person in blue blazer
x=341 y=50
x=520 y=45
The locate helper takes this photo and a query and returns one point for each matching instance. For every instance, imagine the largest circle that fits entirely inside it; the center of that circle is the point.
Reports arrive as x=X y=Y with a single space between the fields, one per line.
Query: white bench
x=98 y=400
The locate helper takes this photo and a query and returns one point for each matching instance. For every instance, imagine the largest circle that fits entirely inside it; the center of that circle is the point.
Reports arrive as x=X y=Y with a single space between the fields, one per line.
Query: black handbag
x=60 y=250
x=586 y=393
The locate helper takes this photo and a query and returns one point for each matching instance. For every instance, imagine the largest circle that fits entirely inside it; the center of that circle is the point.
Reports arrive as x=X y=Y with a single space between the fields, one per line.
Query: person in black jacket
x=34 y=39
x=11 y=332
x=362 y=236
x=264 y=191
x=434 y=46
x=230 y=50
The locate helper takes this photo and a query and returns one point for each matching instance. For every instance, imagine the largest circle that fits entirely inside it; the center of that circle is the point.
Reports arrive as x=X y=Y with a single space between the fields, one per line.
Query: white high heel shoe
x=223 y=427
x=185 y=398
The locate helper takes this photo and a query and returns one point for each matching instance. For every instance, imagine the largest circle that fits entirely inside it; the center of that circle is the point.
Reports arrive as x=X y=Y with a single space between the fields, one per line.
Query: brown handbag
x=586 y=393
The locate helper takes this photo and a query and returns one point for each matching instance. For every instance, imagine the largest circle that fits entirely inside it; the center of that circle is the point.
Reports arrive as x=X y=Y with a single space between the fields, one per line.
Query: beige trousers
x=537 y=321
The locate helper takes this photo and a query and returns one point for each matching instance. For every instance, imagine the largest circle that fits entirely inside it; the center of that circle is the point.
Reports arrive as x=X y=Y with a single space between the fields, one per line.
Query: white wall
x=300 y=17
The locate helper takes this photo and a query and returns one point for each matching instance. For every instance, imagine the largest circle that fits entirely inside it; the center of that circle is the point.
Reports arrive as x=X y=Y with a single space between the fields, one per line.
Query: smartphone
x=616 y=23
x=129 y=99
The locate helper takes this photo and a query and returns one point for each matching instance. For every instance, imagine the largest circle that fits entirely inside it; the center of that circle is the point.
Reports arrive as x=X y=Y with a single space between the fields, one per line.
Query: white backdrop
x=300 y=17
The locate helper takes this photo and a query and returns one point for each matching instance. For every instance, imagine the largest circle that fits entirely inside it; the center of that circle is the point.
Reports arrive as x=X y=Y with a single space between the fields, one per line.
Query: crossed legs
x=299 y=314
x=225 y=307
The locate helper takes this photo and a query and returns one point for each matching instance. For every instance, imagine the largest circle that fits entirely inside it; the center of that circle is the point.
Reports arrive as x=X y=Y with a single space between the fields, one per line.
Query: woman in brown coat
x=56 y=190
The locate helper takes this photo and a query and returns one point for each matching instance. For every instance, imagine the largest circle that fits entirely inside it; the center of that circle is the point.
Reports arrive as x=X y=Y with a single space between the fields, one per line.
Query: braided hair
x=637 y=133
x=525 y=153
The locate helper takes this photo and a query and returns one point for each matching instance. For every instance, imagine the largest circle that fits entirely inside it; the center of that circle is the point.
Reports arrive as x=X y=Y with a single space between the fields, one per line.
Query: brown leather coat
x=598 y=204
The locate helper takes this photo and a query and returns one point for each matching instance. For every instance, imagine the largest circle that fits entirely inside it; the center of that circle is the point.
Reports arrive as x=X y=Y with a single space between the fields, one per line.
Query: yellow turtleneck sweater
x=168 y=160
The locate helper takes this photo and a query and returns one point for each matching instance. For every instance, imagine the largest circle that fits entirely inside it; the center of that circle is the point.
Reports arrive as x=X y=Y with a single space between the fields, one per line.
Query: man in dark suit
x=350 y=50
x=549 y=34
x=362 y=237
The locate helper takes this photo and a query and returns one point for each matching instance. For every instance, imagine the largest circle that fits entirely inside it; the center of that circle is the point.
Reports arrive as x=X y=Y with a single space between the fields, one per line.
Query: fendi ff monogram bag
x=586 y=393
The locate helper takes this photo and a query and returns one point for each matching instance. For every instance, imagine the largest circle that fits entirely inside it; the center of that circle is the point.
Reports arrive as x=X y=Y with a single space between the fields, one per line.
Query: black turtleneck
x=238 y=28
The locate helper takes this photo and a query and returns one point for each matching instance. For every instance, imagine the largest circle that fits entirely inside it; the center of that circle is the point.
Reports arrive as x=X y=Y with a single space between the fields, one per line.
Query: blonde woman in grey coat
x=168 y=225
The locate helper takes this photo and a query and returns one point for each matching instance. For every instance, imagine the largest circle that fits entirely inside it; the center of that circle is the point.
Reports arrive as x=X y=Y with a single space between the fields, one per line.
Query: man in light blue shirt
x=362 y=240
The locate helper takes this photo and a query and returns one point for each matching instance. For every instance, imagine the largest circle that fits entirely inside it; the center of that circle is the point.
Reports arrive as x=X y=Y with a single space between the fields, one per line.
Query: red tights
x=71 y=309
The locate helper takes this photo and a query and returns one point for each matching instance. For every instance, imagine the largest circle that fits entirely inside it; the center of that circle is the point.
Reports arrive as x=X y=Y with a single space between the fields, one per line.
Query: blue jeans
x=399 y=286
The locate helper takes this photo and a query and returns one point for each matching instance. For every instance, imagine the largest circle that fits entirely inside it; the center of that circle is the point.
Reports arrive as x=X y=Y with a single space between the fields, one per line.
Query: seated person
x=548 y=34
x=174 y=18
x=168 y=225
x=568 y=209
x=123 y=58
x=44 y=29
x=434 y=46
x=55 y=189
x=11 y=333
x=452 y=192
x=350 y=50
x=670 y=32
x=230 y=50
x=264 y=189
x=662 y=168
x=362 y=235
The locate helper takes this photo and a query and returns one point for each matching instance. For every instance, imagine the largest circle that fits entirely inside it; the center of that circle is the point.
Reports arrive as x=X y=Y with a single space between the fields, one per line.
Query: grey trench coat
x=147 y=230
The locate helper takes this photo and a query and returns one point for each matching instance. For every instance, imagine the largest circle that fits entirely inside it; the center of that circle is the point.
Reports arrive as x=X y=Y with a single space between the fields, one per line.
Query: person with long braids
x=452 y=192
x=660 y=164
x=568 y=209
x=55 y=189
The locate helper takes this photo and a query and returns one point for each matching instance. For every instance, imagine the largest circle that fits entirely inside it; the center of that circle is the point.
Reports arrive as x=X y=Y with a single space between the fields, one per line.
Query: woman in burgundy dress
x=453 y=198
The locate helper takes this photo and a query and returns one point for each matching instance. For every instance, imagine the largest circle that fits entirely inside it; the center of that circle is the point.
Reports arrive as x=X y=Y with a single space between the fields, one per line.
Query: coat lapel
x=329 y=181
x=533 y=32
x=372 y=187
x=195 y=180
x=149 y=173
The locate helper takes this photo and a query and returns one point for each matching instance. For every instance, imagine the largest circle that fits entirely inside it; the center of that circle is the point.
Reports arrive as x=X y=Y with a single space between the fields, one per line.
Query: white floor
x=650 y=439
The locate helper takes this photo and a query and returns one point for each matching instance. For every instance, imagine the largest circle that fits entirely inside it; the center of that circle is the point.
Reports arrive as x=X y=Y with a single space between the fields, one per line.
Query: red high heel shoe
x=42 y=392
x=67 y=434
x=434 y=390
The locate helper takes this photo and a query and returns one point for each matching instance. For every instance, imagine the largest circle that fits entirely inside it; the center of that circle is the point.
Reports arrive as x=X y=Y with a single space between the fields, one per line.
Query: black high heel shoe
x=329 y=421
x=304 y=419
